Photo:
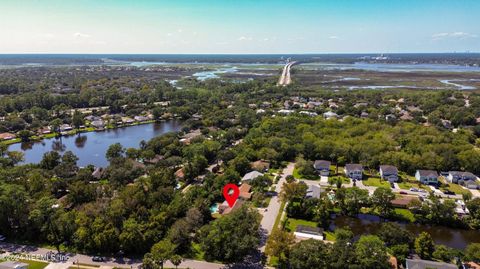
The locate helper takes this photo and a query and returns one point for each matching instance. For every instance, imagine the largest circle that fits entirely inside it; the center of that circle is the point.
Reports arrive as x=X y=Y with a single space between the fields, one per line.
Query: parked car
x=98 y=259
x=448 y=192
x=403 y=192
x=414 y=189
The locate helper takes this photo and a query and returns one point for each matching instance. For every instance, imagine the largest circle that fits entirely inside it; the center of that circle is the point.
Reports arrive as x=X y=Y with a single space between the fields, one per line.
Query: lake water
x=91 y=147
x=390 y=67
x=368 y=224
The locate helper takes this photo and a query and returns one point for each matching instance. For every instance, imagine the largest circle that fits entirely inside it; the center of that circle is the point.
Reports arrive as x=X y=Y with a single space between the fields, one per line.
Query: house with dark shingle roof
x=389 y=172
x=322 y=167
x=427 y=176
x=354 y=171
x=456 y=176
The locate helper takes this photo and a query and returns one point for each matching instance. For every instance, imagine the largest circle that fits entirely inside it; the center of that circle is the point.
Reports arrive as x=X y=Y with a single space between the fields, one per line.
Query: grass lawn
x=35 y=264
x=405 y=214
x=291 y=224
x=297 y=175
x=376 y=182
x=196 y=252
x=330 y=236
x=457 y=189
x=407 y=185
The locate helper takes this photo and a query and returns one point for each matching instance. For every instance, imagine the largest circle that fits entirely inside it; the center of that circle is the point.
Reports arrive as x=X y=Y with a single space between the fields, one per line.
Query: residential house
x=13 y=265
x=364 y=115
x=140 y=118
x=354 y=171
x=322 y=167
x=403 y=201
x=44 y=130
x=225 y=209
x=7 y=136
x=285 y=111
x=461 y=177
x=65 y=128
x=330 y=115
x=313 y=191
x=424 y=264
x=245 y=193
x=260 y=165
x=306 y=232
x=427 y=176
x=251 y=175
x=389 y=172
x=98 y=173
x=98 y=124
x=179 y=174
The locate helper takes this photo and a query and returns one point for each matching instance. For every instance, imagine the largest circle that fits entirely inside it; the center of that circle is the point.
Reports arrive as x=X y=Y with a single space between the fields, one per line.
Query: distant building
x=330 y=115
x=245 y=193
x=354 y=171
x=424 y=264
x=306 y=232
x=427 y=176
x=389 y=172
x=98 y=124
x=7 y=136
x=251 y=175
x=260 y=165
x=322 y=167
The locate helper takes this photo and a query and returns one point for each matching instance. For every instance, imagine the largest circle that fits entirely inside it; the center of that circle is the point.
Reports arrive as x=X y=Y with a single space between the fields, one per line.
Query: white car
x=414 y=189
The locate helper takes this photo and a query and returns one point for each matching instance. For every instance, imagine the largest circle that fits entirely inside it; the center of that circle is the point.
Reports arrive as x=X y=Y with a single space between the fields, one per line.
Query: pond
x=91 y=147
x=369 y=224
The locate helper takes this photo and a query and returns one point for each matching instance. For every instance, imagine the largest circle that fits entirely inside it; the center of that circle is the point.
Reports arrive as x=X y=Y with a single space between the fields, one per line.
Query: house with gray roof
x=428 y=177
x=424 y=264
x=251 y=175
x=354 y=171
x=389 y=172
x=322 y=167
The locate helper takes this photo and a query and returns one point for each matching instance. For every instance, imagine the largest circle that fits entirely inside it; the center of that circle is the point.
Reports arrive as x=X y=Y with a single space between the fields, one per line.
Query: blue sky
x=238 y=26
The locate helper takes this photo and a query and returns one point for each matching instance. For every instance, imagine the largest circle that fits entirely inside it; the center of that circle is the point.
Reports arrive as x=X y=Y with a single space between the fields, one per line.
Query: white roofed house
x=428 y=177
x=251 y=175
x=329 y=115
x=389 y=172
x=354 y=171
x=322 y=167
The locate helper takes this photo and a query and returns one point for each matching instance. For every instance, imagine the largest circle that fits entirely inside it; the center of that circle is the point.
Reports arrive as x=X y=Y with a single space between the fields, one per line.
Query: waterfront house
x=98 y=124
x=354 y=171
x=424 y=264
x=140 y=118
x=127 y=120
x=44 y=130
x=427 y=177
x=98 y=173
x=322 y=167
x=65 y=128
x=251 y=176
x=306 y=232
x=7 y=136
x=389 y=172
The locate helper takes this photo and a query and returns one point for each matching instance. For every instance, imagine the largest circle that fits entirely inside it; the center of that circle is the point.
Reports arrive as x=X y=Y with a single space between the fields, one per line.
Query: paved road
x=273 y=208
x=110 y=263
x=286 y=78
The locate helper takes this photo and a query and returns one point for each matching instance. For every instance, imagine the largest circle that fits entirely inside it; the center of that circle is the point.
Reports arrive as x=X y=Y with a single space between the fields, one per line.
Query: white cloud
x=455 y=35
x=245 y=38
x=333 y=37
x=81 y=35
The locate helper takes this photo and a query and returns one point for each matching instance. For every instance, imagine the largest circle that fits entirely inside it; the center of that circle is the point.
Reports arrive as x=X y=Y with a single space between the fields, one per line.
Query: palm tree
x=176 y=260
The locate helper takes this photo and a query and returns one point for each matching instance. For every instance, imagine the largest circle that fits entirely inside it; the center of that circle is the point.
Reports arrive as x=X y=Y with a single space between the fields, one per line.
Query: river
x=90 y=148
x=369 y=224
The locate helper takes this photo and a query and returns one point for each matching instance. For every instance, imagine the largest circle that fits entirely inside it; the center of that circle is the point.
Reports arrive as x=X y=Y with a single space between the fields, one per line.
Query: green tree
x=400 y=252
x=443 y=253
x=294 y=190
x=115 y=151
x=424 y=246
x=310 y=254
x=382 y=200
x=371 y=252
x=77 y=119
x=279 y=244
x=472 y=252
x=162 y=252
x=176 y=260
x=393 y=234
x=242 y=236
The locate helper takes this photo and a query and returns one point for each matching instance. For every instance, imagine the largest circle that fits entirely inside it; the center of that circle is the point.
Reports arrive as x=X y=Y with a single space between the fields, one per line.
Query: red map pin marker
x=231 y=198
